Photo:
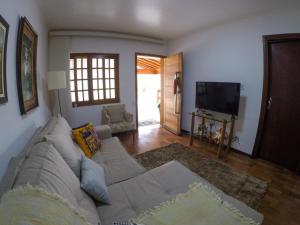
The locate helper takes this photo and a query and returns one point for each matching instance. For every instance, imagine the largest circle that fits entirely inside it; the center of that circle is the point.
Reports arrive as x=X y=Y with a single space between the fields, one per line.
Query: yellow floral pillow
x=86 y=137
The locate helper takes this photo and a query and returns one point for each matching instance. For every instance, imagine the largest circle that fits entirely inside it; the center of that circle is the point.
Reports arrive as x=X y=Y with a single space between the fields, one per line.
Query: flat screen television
x=218 y=96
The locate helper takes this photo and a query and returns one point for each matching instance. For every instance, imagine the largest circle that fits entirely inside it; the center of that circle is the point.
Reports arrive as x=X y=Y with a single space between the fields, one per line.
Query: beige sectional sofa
x=132 y=189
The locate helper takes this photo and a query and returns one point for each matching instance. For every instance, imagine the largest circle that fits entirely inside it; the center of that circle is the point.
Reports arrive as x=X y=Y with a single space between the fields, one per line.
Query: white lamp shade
x=57 y=80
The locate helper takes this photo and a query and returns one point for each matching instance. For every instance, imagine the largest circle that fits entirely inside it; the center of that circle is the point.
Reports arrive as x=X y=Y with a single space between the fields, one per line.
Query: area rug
x=247 y=189
x=148 y=122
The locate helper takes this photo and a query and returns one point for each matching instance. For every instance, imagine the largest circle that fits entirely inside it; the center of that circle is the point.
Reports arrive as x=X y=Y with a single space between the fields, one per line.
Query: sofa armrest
x=128 y=116
x=103 y=131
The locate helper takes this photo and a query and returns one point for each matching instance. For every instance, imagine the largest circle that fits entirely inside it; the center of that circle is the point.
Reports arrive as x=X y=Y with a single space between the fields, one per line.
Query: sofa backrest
x=41 y=164
x=15 y=163
x=46 y=169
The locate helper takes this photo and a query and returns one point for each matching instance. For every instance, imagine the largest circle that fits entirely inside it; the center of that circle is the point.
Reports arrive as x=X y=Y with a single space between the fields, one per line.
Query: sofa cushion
x=16 y=162
x=64 y=144
x=46 y=129
x=117 y=163
x=50 y=125
x=93 y=180
x=63 y=122
x=134 y=196
x=46 y=168
x=103 y=131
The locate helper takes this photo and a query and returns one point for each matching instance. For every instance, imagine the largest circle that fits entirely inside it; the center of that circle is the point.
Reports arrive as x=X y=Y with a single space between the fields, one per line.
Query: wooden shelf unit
x=224 y=123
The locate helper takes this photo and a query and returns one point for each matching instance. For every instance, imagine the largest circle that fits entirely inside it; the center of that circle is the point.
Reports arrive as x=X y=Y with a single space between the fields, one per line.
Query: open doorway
x=148 y=81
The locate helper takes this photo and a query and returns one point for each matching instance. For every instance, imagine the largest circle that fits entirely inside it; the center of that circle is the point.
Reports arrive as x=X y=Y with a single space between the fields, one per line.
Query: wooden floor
x=281 y=204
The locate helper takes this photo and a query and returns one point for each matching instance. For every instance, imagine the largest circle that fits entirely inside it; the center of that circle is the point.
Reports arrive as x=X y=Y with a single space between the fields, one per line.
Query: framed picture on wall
x=4 y=27
x=26 y=66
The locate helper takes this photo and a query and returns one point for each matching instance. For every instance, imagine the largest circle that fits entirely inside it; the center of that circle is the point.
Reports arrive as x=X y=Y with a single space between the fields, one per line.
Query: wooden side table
x=224 y=125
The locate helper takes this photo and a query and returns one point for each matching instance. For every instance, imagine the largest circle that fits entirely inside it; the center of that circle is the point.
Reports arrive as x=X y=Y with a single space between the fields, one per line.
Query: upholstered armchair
x=118 y=119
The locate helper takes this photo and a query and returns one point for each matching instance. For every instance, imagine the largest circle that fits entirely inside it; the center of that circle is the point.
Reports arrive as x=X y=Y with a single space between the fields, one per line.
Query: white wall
x=232 y=53
x=16 y=130
x=59 y=53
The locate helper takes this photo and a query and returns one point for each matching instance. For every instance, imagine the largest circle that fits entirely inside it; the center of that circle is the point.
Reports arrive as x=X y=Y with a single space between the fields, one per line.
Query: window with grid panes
x=94 y=79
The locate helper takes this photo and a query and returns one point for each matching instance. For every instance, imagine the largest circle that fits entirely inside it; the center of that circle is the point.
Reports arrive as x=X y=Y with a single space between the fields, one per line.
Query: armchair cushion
x=116 y=113
x=121 y=127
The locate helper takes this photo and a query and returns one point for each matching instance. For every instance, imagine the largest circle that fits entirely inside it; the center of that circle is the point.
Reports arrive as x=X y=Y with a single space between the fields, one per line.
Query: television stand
x=221 y=139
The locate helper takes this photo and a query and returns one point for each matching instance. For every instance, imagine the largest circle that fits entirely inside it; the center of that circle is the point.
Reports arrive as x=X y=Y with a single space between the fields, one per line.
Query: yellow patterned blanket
x=198 y=206
x=34 y=206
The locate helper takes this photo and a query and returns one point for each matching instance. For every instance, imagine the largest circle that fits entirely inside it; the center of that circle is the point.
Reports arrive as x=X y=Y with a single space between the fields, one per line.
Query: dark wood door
x=280 y=136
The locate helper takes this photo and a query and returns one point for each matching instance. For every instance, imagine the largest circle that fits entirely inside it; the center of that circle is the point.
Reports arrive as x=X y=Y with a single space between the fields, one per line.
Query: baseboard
x=185 y=132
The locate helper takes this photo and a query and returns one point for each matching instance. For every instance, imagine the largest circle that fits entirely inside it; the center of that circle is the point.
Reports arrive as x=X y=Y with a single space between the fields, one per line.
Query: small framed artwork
x=26 y=66
x=4 y=27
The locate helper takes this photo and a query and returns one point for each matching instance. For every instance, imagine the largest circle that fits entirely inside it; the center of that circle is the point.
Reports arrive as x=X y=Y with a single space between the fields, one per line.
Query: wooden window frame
x=89 y=57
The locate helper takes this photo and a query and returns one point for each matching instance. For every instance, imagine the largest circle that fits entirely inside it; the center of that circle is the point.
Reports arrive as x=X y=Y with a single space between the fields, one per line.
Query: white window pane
x=84 y=74
x=71 y=63
x=85 y=85
x=71 y=74
x=100 y=63
x=86 y=96
x=72 y=85
x=95 y=73
x=101 y=94
x=107 y=83
x=94 y=62
x=84 y=63
x=112 y=63
x=80 y=96
x=112 y=73
x=96 y=97
x=107 y=93
x=112 y=83
x=100 y=73
x=106 y=73
x=78 y=63
x=79 y=74
x=79 y=85
x=95 y=84
x=73 y=98
x=106 y=63
x=100 y=81
x=112 y=93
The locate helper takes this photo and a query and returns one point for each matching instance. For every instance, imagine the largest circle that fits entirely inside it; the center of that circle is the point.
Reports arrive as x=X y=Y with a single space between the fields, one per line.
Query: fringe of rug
x=194 y=188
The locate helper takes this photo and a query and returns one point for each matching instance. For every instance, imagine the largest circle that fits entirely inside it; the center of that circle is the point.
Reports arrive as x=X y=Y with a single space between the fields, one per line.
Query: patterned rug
x=247 y=189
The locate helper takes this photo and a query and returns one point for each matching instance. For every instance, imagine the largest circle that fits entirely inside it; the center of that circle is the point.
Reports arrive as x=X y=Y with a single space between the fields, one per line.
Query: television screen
x=218 y=96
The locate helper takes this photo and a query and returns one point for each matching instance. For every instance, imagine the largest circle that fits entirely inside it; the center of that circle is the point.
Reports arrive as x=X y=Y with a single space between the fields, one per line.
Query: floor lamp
x=56 y=81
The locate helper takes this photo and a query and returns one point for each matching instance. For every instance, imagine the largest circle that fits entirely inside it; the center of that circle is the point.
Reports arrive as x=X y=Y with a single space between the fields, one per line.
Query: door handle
x=269 y=104
x=176 y=91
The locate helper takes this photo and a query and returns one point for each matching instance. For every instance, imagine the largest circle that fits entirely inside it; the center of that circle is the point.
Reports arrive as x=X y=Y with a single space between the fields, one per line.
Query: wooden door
x=280 y=117
x=173 y=89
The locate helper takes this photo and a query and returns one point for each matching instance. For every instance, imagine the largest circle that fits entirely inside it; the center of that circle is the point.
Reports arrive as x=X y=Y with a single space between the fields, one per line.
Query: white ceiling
x=164 y=19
